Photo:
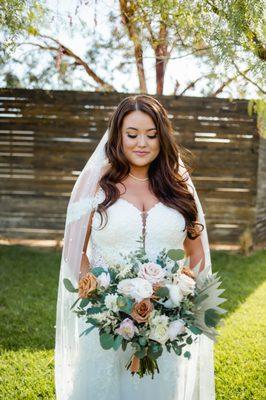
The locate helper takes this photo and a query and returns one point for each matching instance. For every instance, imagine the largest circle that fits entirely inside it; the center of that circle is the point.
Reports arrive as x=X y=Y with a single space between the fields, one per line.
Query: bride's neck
x=139 y=172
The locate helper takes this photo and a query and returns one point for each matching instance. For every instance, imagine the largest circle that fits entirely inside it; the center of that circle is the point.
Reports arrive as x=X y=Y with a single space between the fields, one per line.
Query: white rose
x=186 y=284
x=175 y=294
x=159 y=329
x=141 y=289
x=151 y=271
x=110 y=302
x=104 y=279
x=176 y=328
x=125 y=287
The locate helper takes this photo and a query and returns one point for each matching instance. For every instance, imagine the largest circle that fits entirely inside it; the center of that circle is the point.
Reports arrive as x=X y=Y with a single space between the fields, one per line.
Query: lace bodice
x=160 y=227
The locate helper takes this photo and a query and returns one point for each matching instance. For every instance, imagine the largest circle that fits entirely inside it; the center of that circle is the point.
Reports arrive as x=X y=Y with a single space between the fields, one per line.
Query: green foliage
x=228 y=34
x=162 y=292
x=176 y=254
x=124 y=304
x=195 y=330
x=258 y=106
x=69 y=286
x=28 y=294
x=106 y=340
x=20 y=16
x=97 y=271
x=117 y=342
x=87 y=331
x=154 y=350
x=211 y=318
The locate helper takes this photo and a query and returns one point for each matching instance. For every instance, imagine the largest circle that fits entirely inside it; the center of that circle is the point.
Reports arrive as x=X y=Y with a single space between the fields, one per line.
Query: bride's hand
x=84 y=265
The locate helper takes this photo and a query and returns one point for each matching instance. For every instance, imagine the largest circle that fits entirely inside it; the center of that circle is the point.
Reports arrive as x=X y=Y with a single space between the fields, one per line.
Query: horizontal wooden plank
x=17 y=221
x=39 y=95
x=37 y=186
x=33 y=205
x=46 y=137
x=28 y=233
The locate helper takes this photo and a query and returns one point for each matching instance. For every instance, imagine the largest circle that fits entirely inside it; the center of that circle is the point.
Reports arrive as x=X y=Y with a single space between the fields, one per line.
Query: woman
x=134 y=187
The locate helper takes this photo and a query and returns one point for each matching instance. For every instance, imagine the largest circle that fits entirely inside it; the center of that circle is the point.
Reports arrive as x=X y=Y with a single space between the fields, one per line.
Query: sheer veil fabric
x=199 y=381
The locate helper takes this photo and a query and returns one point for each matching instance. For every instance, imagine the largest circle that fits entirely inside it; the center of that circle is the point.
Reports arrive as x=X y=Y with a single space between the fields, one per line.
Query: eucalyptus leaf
x=93 y=310
x=124 y=304
x=175 y=268
x=141 y=353
x=195 y=330
x=176 y=254
x=162 y=292
x=189 y=340
x=84 y=302
x=106 y=340
x=117 y=342
x=96 y=271
x=69 y=286
x=155 y=350
x=142 y=341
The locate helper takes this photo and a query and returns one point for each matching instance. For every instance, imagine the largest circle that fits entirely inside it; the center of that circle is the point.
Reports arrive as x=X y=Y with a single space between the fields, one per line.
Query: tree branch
x=226 y=83
x=193 y=83
x=247 y=78
x=78 y=60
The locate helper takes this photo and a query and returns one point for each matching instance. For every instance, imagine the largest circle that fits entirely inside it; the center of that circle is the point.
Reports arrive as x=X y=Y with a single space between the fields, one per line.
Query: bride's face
x=140 y=138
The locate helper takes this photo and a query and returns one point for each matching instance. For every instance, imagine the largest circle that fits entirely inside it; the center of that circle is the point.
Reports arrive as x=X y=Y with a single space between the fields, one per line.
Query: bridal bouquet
x=153 y=306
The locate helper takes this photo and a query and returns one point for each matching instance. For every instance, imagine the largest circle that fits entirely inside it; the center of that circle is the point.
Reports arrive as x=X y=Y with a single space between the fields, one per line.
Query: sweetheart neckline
x=100 y=190
x=141 y=212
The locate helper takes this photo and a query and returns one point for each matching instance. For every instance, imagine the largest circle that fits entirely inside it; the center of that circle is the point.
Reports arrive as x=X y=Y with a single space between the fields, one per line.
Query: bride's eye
x=134 y=136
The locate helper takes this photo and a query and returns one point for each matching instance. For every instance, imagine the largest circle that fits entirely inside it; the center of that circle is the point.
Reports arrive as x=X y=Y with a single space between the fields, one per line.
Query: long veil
x=81 y=203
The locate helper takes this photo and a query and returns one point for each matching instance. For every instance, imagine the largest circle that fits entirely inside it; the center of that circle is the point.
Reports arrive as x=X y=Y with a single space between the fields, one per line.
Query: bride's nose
x=142 y=140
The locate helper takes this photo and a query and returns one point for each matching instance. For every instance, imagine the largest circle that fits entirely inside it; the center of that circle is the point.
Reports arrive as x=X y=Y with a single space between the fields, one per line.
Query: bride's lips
x=141 y=153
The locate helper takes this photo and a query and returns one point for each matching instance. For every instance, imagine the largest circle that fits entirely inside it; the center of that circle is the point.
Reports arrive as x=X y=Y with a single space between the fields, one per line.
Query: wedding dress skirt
x=101 y=374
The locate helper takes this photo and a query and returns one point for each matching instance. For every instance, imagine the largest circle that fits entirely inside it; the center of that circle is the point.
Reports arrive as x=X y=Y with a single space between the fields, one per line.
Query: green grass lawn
x=28 y=294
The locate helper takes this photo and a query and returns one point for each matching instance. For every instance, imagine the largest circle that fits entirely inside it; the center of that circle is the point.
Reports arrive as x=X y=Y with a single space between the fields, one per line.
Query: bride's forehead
x=138 y=120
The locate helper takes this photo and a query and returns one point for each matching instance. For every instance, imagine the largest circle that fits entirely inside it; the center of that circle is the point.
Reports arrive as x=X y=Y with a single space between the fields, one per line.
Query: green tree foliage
x=16 y=17
x=225 y=38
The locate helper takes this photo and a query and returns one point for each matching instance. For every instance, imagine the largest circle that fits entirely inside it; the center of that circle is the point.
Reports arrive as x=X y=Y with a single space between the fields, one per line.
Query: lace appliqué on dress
x=83 y=206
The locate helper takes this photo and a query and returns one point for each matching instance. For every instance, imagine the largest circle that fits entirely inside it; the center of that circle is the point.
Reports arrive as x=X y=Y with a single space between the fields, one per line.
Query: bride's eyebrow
x=135 y=129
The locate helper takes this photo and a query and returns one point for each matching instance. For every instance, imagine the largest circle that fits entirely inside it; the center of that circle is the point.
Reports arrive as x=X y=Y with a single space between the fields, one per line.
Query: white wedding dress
x=101 y=374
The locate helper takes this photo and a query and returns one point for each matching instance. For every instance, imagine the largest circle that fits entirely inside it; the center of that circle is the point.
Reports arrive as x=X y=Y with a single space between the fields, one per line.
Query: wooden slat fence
x=47 y=136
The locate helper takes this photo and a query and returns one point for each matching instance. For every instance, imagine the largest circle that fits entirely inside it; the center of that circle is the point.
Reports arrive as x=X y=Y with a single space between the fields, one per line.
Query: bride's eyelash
x=134 y=136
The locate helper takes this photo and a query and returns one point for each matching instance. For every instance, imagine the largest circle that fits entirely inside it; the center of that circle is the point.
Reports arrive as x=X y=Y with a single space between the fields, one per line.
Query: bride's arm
x=194 y=249
x=84 y=266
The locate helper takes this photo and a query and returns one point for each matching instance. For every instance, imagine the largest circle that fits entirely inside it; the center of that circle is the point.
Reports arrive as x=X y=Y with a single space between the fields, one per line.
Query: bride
x=133 y=188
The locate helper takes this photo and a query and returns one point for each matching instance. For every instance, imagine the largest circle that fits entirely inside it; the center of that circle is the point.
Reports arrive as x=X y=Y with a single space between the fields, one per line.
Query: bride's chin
x=139 y=163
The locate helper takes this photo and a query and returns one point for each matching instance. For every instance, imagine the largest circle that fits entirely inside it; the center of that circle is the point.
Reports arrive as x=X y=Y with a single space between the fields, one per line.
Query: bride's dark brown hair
x=164 y=180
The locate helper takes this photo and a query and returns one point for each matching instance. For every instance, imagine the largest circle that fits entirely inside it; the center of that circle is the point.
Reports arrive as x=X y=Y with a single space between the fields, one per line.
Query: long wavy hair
x=164 y=179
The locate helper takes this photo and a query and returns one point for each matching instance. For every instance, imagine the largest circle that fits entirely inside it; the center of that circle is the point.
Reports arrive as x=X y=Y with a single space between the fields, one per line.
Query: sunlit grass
x=28 y=292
